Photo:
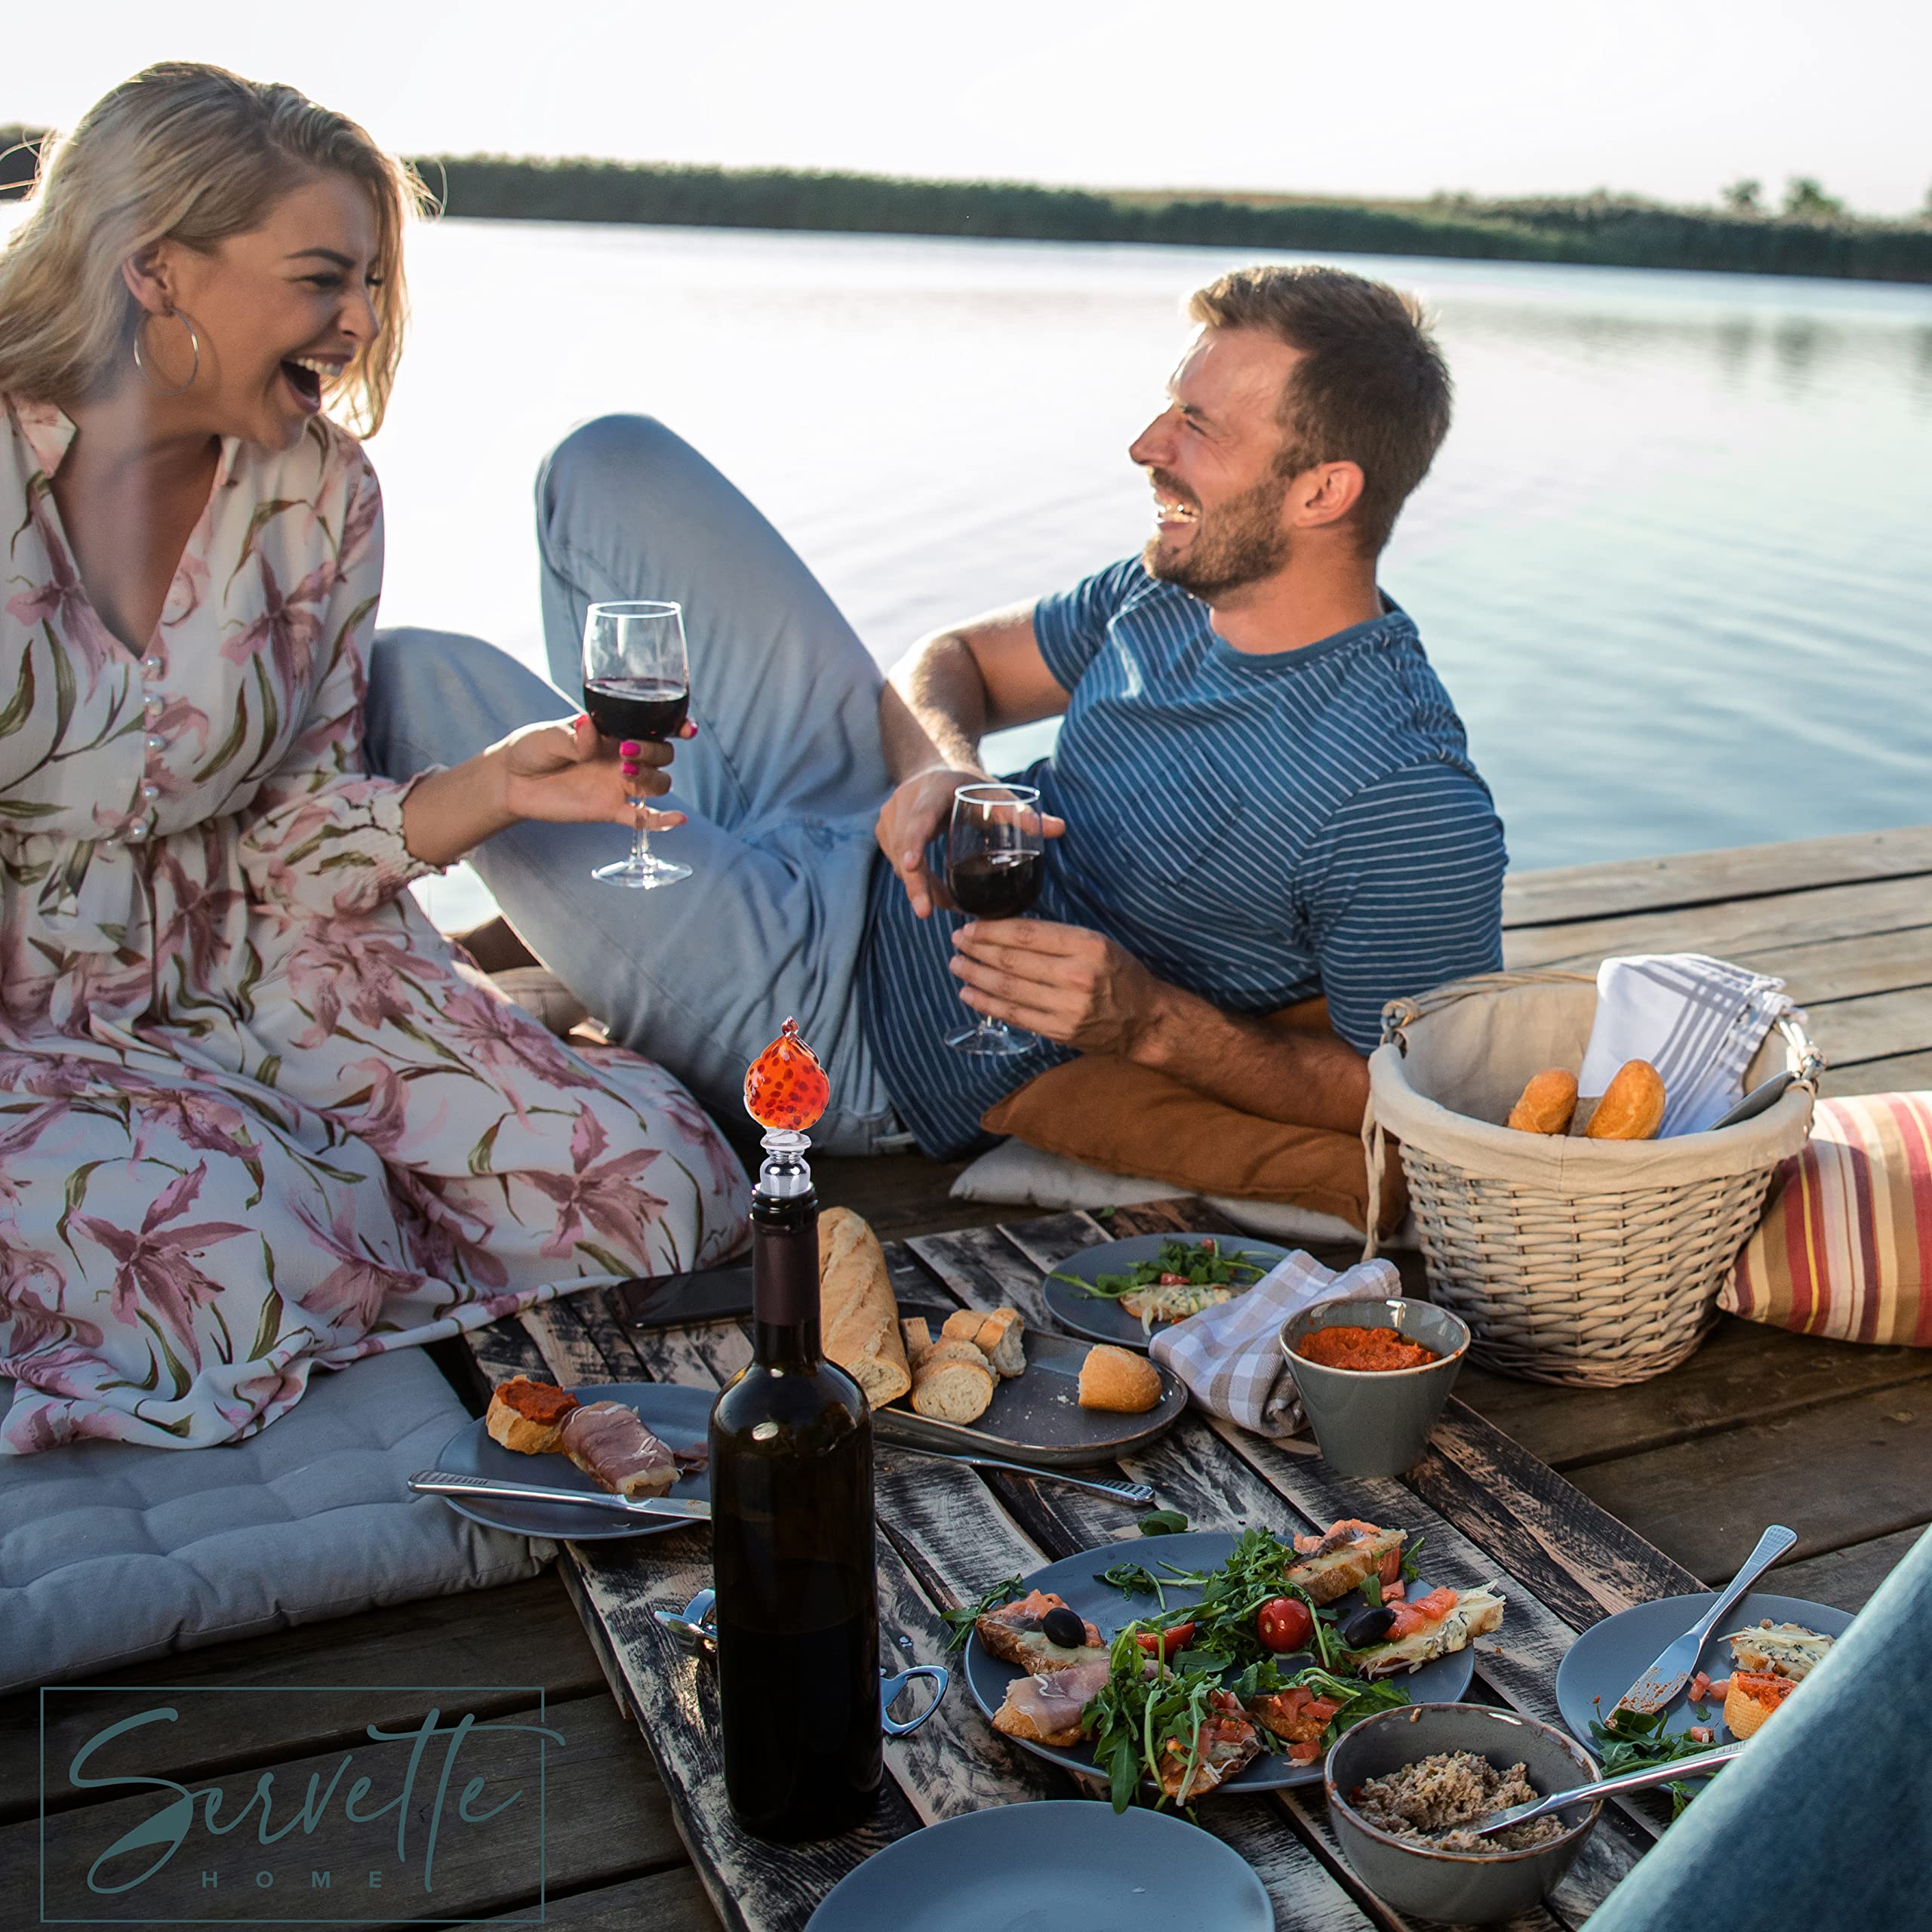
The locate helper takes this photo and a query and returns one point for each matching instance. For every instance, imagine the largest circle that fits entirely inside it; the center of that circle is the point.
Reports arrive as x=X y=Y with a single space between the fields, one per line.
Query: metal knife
x=1759 y=1100
x=1671 y=1671
x=443 y=1482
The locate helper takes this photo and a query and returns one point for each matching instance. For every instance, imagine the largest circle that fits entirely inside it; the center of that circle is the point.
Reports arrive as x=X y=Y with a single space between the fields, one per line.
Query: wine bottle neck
x=785 y=1310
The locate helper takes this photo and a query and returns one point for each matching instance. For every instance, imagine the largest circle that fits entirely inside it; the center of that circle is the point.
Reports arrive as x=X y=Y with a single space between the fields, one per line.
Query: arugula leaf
x=1628 y=1741
x=1411 y=1549
x=1163 y=1523
x=1371 y=1589
x=1134 y=1580
x=964 y=1616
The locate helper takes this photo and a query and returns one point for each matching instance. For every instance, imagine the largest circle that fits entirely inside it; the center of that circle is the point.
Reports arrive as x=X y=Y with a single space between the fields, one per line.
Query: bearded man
x=1260 y=792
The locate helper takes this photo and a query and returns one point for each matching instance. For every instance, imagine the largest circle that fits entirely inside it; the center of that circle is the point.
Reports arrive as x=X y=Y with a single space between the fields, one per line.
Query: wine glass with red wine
x=637 y=684
x=994 y=861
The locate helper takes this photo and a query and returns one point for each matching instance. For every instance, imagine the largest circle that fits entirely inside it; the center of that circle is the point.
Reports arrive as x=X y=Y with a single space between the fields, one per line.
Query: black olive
x=1064 y=1627
x=1369 y=1625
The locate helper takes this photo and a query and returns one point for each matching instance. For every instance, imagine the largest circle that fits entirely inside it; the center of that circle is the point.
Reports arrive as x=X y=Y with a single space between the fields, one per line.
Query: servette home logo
x=308 y=1806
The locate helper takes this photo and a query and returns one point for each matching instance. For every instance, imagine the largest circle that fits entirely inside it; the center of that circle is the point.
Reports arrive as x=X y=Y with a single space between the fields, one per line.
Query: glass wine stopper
x=786 y=1090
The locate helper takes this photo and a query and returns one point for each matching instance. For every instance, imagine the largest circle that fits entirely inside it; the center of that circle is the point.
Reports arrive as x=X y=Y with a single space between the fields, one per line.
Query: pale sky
x=1670 y=98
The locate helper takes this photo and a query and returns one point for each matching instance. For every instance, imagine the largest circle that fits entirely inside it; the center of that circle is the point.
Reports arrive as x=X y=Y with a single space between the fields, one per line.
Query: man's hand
x=1063 y=983
x=914 y=815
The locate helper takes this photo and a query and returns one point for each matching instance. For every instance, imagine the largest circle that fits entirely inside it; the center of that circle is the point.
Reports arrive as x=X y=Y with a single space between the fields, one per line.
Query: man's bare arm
x=1077 y=987
x=943 y=696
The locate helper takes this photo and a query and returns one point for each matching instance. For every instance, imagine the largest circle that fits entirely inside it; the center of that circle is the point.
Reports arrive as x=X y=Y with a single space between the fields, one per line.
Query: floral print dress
x=256 y=1116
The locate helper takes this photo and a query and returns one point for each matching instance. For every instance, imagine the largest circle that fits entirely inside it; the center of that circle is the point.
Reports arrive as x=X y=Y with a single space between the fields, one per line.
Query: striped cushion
x=1845 y=1249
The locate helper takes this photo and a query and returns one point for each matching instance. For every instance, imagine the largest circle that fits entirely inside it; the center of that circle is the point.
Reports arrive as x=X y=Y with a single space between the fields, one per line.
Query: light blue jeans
x=783 y=782
x=1825 y=1825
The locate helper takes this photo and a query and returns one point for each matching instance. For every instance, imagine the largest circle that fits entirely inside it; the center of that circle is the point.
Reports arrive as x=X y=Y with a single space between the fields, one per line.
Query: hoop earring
x=194 y=341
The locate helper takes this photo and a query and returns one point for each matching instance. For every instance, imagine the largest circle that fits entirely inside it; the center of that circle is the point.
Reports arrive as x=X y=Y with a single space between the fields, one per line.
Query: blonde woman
x=255 y=1118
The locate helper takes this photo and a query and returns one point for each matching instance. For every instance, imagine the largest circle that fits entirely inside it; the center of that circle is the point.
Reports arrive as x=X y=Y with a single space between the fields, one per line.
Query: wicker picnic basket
x=1590 y=1263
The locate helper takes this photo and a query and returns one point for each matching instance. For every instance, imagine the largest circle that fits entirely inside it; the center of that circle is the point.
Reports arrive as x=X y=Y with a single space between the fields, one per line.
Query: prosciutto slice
x=1046 y=1709
x=606 y=1441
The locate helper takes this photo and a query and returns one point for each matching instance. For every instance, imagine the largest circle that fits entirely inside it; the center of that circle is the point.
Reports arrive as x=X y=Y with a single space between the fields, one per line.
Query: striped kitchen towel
x=1698 y=1021
x=1230 y=1356
x=1845 y=1249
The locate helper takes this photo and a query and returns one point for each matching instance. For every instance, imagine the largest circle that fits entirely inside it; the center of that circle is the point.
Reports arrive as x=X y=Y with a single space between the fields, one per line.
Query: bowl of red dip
x=1373 y=1374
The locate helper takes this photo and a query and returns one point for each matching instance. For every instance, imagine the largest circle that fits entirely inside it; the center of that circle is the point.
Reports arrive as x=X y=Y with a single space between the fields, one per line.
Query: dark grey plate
x=1076 y=1580
x=1106 y=1321
x=1609 y=1656
x=1069 y=1863
x=677 y=1417
x=1036 y=1417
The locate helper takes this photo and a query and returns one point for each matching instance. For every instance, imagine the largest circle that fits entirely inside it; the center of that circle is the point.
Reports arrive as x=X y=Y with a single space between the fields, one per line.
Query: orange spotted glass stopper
x=786 y=1089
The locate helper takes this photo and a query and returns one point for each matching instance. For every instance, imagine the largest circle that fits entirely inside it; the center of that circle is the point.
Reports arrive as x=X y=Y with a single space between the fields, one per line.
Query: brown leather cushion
x=1127 y=1119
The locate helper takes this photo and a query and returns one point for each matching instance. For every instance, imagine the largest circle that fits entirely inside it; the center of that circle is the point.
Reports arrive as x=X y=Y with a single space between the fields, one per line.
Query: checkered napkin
x=1230 y=1356
x=1698 y=1021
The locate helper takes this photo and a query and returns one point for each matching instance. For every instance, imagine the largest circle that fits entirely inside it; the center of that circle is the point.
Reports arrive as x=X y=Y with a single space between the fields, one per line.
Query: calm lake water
x=1672 y=562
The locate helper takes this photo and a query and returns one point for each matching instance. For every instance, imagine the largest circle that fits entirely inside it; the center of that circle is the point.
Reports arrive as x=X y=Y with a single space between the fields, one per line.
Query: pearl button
x=155 y=744
x=137 y=830
x=150 y=792
x=110 y=838
x=151 y=667
x=154 y=705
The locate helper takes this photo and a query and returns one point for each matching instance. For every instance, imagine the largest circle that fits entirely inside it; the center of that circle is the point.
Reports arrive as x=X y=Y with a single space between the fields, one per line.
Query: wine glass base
x=641 y=879
x=990 y=1043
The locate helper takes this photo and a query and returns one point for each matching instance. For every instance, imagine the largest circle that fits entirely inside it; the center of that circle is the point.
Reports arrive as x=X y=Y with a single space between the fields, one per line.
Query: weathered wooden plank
x=1838 y=1474
x=1564 y=894
x=1901 y=1073
x=1845 y=1578
x=672 y=1901
x=1221 y=1477
x=506 y=1349
x=501 y=1641
x=1874 y=1026
x=901 y=1195
x=1841 y=968
x=1745 y=1372
x=1780 y=919
x=595 y=1775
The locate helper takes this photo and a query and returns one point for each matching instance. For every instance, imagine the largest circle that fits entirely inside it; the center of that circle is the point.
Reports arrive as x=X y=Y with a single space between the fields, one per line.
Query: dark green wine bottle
x=792 y=1544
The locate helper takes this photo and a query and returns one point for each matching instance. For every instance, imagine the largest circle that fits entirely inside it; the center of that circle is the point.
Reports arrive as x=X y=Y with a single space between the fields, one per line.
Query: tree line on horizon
x=1812 y=233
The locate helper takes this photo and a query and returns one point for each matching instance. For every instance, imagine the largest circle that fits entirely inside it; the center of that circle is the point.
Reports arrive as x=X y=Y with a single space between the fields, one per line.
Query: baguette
x=1547 y=1103
x=950 y=1391
x=915 y=1331
x=528 y=1416
x=856 y=1305
x=996 y=1336
x=1632 y=1107
x=1111 y=1378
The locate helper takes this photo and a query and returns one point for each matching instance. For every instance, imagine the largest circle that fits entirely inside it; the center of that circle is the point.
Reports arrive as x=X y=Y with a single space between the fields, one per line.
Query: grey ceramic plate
x=1069 y=1863
x=1036 y=1417
x=1107 y=1320
x=1076 y=1580
x=677 y=1417
x=1609 y=1656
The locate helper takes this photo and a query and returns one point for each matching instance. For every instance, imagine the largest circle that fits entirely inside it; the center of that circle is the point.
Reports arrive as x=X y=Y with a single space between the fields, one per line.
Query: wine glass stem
x=640 y=839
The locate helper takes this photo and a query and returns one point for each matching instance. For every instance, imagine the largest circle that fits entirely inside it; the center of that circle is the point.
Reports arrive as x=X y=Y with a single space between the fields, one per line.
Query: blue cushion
x=111 y=1552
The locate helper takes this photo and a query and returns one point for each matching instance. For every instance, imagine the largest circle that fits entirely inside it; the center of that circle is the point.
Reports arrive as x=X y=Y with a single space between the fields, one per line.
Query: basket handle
x=1375 y=1145
x=1811 y=1063
x=1398 y=1015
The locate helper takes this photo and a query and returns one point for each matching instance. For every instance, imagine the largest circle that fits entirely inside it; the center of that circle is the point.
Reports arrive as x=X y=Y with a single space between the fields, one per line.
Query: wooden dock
x=1760 y=1426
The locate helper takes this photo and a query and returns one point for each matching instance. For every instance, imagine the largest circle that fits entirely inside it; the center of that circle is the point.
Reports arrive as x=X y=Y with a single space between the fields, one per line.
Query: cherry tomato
x=1284 y=1624
x=1170 y=1640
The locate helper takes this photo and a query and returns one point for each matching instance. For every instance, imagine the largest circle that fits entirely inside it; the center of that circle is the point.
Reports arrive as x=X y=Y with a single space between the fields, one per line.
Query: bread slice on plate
x=1046 y=1708
x=946 y=1389
x=528 y=1416
x=1753 y=1696
x=1339 y=1560
x=609 y=1443
x=1016 y=1633
x=1442 y=1622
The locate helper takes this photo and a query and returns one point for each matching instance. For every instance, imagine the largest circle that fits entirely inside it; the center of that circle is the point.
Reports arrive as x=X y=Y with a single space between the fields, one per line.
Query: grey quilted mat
x=111 y=1553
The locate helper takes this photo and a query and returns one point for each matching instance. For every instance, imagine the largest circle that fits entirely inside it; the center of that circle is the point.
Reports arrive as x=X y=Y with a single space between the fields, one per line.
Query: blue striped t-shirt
x=1256 y=830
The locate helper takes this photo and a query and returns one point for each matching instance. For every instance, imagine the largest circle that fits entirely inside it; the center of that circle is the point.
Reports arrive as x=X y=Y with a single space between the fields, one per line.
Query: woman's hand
x=563 y=773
